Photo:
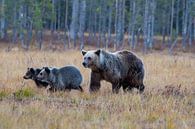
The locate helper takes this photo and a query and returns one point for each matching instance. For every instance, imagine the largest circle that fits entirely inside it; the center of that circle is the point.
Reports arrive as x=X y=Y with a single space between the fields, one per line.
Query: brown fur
x=121 y=68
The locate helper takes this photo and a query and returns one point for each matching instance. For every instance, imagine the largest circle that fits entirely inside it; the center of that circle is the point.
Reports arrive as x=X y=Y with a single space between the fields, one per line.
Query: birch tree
x=74 y=23
x=82 y=22
x=119 y=22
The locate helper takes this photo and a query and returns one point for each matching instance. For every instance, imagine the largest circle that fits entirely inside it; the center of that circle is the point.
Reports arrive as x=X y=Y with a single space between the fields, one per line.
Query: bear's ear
x=38 y=70
x=32 y=70
x=47 y=70
x=84 y=52
x=98 y=52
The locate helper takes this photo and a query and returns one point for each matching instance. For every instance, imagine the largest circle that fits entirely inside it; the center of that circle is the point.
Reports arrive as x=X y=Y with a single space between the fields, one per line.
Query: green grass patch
x=24 y=93
x=3 y=94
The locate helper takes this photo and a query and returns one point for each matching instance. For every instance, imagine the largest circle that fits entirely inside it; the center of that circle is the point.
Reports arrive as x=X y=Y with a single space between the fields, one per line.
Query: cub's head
x=30 y=74
x=44 y=74
x=91 y=59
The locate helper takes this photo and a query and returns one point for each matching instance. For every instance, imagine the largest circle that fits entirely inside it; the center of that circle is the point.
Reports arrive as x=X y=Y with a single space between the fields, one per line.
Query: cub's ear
x=47 y=70
x=38 y=70
x=32 y=70
x=84 y=52
x=98 y=52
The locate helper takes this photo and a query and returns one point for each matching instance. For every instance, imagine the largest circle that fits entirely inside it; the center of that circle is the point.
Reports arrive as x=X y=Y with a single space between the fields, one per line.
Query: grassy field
x=168 y=101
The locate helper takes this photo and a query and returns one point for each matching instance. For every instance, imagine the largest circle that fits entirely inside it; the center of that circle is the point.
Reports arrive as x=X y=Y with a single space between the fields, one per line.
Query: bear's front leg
x=95 y=82
x=116 y=87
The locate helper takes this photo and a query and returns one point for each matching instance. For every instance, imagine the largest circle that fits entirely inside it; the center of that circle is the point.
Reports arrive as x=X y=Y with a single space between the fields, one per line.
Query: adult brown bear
x=121 y=68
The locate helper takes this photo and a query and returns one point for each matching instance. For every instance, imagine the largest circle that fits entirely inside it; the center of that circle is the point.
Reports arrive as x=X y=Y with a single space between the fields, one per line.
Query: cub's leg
x=116 y=87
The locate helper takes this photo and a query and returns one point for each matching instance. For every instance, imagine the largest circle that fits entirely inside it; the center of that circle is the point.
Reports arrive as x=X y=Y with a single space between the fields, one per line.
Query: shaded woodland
x=133 y=24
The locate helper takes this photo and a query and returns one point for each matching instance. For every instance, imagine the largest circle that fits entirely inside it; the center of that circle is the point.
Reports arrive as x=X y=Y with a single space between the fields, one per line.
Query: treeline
x=102 y=23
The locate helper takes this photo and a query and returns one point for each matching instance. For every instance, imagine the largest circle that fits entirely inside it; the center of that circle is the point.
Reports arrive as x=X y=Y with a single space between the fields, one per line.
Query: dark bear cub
x=32 y=74
x=62 y=79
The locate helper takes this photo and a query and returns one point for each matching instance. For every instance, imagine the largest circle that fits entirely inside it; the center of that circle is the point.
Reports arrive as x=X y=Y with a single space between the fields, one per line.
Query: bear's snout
x=84 y=64
x=24 y=77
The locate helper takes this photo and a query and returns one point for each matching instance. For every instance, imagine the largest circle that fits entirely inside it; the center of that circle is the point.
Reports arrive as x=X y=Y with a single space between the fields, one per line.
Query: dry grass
x=168 y=101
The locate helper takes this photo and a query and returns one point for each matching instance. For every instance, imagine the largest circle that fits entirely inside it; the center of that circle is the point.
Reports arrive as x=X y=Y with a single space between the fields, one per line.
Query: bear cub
x=65 y=78
x=32 y=74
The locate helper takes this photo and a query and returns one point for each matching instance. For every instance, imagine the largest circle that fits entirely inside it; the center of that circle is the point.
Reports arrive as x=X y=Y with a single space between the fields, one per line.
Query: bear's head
x=30 y=74
x=91 y=59
x=44 y=74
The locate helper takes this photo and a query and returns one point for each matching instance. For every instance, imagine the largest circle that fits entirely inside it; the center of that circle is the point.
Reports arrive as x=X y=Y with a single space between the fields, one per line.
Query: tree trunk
x=171 y=28
x=74 y=23
x=14 y=30
x=66 y=30
x=99 y=28
x=89 y=22
x=152 y=23
x=104 y=19
x=184 y=23
x=109 y=26
x=39 y=38
x=194 y=28
x=52 y=26
x=119 y=23
x=2 y=20
x=59 y=15
x=177 y=27
x=177 y=17
x=146 y=26
x=190 y=23
x=133 y=26
x=82 y=23
x=22 y=25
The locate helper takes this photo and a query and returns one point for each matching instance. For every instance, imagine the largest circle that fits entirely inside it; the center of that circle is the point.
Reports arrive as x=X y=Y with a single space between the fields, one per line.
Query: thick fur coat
x=65 y=78
x=121 y=68
x=32 y=74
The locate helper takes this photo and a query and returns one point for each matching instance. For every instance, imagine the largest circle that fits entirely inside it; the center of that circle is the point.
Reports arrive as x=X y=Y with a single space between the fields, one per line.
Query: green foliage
x=24 y=93
x=37 y=18
x=3 y=94
x=37 y=15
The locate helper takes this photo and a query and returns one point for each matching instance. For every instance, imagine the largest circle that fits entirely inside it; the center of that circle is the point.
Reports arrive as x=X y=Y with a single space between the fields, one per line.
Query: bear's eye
x=41 y=74
x=89 y=58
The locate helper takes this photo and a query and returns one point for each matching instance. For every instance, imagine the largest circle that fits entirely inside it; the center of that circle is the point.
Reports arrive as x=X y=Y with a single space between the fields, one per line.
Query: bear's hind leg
x=129 y=89
x=79 y=88
x=141 y=88
x=126 y=86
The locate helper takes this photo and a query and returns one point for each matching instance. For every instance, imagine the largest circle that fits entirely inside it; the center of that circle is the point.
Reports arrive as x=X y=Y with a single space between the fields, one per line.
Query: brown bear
x=121 y=68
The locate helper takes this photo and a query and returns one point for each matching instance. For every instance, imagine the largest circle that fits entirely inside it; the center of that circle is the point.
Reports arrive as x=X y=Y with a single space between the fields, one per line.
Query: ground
x=168 y=101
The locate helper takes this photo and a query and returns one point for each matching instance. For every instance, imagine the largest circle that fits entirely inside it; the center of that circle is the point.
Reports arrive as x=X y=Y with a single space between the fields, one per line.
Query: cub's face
x=29 y=74
x=44 y=74
x=90 y=58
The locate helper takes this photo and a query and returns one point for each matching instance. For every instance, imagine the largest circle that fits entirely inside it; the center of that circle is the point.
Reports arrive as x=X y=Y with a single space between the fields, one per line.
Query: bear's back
x=70 y=75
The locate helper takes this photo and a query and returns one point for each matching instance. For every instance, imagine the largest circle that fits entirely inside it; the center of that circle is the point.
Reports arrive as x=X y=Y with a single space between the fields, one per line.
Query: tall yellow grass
x=168 y=101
